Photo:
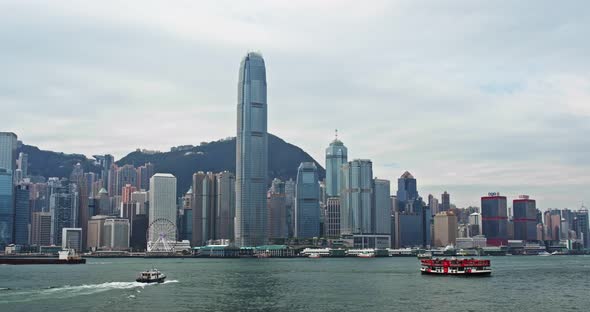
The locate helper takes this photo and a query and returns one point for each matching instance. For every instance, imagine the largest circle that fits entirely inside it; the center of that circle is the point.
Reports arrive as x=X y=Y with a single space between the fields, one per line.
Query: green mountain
x=182 y=162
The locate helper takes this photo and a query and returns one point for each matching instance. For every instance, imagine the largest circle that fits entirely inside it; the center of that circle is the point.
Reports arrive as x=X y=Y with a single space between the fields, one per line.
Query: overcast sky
x=469 y=96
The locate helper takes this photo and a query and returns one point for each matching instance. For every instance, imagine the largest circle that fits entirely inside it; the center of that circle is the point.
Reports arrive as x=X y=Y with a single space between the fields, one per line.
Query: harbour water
x=556 y=283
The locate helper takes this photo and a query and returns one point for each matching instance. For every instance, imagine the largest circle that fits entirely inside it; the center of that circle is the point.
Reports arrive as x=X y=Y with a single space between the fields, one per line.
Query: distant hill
x=217 y=156
x=55 y=164
x=284 y=158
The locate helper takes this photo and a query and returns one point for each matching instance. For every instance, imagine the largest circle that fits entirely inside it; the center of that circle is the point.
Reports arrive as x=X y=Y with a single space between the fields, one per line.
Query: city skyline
x=424 y=100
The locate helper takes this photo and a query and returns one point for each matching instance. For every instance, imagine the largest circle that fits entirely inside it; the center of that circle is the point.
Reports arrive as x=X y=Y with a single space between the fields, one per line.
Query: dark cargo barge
x=65 y=257
x=39 y=260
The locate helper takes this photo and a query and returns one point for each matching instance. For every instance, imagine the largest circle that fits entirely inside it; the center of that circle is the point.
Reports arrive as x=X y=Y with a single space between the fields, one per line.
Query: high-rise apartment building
x=251 y=153
x=356 y=198
x=307 y=201
x=144 y=173
x=225 y=206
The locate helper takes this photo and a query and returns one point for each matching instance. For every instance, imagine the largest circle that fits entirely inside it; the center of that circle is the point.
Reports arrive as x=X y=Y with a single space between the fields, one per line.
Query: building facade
x=307 y=201
x=251 y=153
x=22 y=215
x=336 y=156
x=494 y=217
x=356 y=198
x=332 y=220
x=162 y=203
x=115 y=234
x=6 y=208
x=445 y=229
x=382 y=206
x=71 y=238
x=41 y=228
x=277 y=210
x=524 y=212
x=445 y=201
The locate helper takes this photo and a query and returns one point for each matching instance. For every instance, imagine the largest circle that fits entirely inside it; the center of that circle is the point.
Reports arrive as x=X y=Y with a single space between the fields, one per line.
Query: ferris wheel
x=161 y=236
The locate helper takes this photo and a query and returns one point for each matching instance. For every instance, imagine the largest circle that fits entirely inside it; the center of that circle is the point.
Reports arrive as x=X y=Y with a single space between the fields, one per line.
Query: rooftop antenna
x=336 y=131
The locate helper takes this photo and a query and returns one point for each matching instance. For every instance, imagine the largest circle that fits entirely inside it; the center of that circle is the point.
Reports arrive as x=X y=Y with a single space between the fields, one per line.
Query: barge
x=65 y=257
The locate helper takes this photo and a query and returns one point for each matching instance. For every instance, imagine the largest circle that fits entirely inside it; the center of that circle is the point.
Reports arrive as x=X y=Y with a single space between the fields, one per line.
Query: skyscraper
x=356 y=198
x=22 y=215
x=582 y=228
x=277 y=210
x=412 y=217
x=63 y=205
x=226 y=205
x=336 y=156
x=162 y=203
x=204 y=189
x=251 y=153
x=23 y=163
x=290 y=205
x=382 y=206
x=125 y=175
x=105 y=162
x=525 y=218
x=407 y=193
x=332 y=220
x=307 y=201
x=6 y=208
x=8 y=142
x=144 y=173
x=41 y=228
x=445 y=229
x=213 y=207
x=494 y=216
x=445 y=201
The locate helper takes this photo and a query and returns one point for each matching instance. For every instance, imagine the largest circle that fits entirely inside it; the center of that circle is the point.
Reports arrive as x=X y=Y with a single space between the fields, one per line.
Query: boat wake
x=68 y=291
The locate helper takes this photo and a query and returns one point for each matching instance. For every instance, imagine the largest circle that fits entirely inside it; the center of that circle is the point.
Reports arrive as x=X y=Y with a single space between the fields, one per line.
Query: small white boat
x=544 y=254
x=151 y=276
x=366 y=255
x=314 y=255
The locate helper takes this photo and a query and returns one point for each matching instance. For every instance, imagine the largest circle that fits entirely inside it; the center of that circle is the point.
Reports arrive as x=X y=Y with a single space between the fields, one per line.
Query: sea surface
x=534 y=283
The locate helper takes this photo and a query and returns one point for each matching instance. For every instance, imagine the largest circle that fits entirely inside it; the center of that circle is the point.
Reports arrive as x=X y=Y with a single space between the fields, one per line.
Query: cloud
x=467 y=95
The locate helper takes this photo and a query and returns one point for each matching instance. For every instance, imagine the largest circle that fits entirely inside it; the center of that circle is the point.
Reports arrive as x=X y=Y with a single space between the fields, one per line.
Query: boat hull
x=29 y=261
x=151 y=281
x=458 y=273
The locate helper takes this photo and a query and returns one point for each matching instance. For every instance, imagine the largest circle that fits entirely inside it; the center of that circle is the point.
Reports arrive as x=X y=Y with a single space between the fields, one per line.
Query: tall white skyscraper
x=251 y=221
x=162 y=205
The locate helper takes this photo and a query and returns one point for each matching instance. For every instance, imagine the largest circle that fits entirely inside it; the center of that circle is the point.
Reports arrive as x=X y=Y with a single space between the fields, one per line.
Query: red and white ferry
x=461 y=267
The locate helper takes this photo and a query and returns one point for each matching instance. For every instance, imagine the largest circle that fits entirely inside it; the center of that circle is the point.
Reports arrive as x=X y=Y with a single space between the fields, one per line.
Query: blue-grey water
x=556 y=283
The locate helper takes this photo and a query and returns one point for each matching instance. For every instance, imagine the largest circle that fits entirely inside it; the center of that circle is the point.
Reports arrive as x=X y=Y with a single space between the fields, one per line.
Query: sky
x=469 y=96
